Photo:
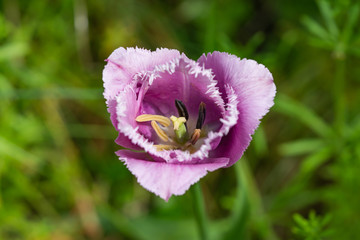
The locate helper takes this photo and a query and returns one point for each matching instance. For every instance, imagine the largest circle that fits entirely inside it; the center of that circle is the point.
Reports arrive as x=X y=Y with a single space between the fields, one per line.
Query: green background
x=60 y=178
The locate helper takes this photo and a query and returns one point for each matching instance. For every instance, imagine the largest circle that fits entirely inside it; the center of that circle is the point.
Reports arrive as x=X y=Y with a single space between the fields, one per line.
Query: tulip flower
x=179 y=119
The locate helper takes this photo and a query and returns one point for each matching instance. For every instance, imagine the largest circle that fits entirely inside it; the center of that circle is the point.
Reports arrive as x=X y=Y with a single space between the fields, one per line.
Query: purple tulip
x=181 y=118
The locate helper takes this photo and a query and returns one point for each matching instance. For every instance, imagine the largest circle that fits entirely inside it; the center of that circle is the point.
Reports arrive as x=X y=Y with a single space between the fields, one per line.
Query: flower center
x=180 y=129
x=181 y=138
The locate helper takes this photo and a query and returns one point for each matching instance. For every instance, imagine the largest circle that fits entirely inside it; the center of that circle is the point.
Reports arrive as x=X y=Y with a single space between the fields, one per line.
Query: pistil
x=180 y=129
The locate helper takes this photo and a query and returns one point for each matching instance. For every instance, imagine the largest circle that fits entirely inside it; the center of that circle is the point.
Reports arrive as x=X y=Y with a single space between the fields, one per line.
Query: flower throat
x=182 y=139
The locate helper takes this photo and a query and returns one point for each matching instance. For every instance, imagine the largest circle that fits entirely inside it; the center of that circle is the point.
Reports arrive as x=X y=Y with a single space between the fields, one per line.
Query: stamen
x=162 y=147
x=162 y=135
x=150 y=117
x=180 y=106
x=195 y=136
x=201 y=117
x=200 y=122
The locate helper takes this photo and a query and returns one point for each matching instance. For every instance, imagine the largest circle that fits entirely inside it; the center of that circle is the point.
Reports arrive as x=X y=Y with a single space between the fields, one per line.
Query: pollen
x=162 y=135
x=164 y=121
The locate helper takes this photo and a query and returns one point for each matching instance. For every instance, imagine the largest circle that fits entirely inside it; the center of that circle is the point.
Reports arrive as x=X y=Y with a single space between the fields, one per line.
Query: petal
x=121 y=140
x=123 y=64
x=127 y=107
x=166 y=179
x=228 y=120
x=157 y=94
x=185 y=80
x=253 y=84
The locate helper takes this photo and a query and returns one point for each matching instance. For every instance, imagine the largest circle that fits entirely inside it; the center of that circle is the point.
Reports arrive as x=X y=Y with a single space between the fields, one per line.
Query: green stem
x=200 y=213
x=248 y=201
x=241 y=208
x=339 y=96
x=211 y=27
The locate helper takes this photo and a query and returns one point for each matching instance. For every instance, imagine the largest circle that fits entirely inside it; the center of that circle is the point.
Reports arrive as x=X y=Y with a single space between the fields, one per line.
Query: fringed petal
x=255 y=90
x=129 y=105
x=185 y=80
x=124 y=63
x=166 y=179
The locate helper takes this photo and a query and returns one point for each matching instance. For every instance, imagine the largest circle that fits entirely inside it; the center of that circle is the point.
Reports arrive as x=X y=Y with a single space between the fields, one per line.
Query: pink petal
x=166 y=179
x=185 y=80
x=178 y=79
x=121 y=140
x=123 y=64
x=255 y=90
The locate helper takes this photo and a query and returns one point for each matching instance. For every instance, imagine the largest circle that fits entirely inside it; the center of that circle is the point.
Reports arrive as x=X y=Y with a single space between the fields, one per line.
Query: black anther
x=201 y=117
x=180 y=106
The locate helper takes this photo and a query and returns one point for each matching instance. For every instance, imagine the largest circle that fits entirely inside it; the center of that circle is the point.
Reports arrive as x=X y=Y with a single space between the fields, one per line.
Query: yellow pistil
x=177 y=121
x=162 y=147
x=164 y=121
x=180 y=129
x=159 y=131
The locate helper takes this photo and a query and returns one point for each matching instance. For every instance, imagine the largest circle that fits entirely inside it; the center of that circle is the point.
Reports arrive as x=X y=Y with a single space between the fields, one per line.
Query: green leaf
x=13 y=50
x=312 y=228
x=292 y=108
x=353 y=15
x=301 y=146
x=13 y=151
x=315 y=28
x=260 y=142
x=315 y=160
x=327 y=15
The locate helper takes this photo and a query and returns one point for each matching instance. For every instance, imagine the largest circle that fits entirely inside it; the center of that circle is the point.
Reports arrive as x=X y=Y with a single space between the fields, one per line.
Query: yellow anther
x=177 y=121
x=159 y=131
x=162 y=147
x=150 y=117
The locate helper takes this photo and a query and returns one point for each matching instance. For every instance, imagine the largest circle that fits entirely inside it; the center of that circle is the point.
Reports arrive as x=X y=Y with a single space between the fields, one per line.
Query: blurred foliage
x=60 y=178
x=312 y=228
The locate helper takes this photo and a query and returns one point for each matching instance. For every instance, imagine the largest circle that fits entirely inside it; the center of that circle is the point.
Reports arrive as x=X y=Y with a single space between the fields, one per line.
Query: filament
x=162 y=135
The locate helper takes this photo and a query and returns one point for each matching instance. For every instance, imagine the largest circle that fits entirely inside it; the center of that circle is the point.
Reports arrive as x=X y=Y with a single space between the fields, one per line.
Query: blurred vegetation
x=60 y=178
